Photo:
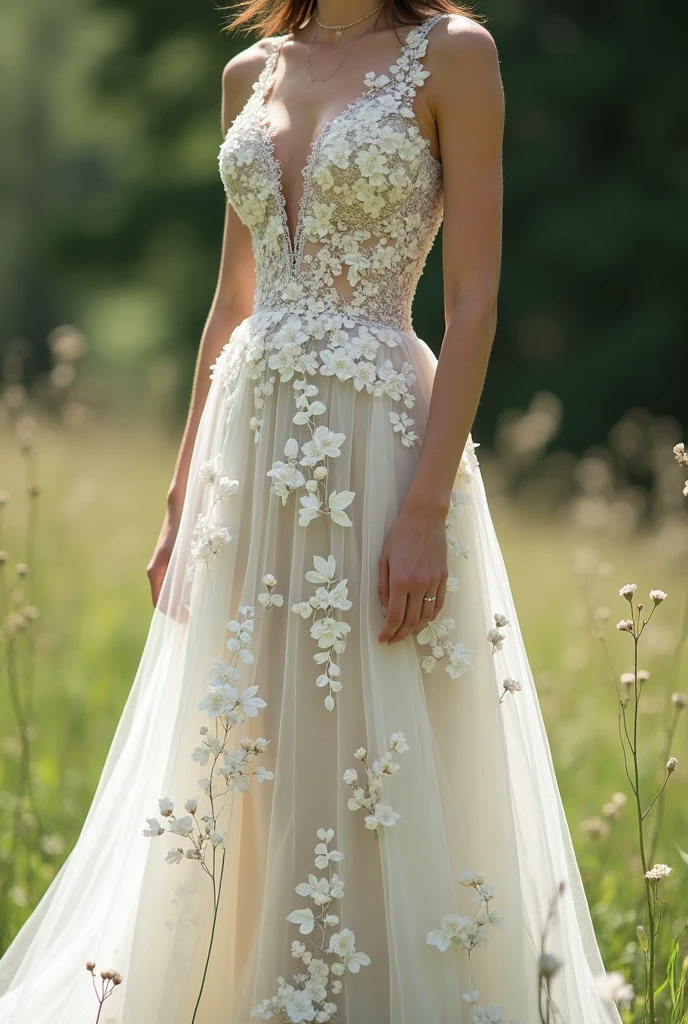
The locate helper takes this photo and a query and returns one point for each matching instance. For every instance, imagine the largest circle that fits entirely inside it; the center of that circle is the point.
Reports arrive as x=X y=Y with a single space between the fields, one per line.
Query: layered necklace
x=338 y=29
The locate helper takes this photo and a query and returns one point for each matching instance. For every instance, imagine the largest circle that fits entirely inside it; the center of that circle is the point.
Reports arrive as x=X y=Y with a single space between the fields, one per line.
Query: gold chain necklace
x=338 y=29
x=360 y=36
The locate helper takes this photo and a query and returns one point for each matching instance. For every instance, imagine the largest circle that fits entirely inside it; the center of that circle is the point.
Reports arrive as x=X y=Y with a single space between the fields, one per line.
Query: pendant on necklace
x=338 y=32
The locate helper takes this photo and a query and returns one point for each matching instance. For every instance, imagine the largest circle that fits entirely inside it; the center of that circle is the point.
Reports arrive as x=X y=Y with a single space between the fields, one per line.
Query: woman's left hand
x=411 y=566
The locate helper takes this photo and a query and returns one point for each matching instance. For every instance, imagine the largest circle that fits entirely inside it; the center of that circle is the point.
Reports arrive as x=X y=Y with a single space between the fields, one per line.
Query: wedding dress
x=331 y=823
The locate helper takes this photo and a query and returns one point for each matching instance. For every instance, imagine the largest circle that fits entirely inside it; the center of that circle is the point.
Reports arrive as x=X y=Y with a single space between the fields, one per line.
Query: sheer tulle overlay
x=306 y=448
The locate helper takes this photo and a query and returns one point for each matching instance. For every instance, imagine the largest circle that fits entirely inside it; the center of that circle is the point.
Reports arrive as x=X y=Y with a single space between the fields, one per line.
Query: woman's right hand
x=157 y=567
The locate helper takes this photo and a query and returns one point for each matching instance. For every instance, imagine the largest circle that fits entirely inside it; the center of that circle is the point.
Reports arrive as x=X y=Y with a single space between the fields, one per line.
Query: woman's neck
x=341 y=12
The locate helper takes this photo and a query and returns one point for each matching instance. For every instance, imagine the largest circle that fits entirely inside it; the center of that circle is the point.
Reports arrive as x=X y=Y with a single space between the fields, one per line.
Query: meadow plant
x=670 y=994
x=109 y=980
x=227 y=770
x=19 y=838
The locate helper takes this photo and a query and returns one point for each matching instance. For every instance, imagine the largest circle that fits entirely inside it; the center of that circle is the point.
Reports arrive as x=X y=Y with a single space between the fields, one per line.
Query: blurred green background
x=112 y=205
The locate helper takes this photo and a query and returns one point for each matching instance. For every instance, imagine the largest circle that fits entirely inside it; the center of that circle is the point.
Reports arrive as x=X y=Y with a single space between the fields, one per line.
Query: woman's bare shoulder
x=462 y=57
x=460 y=38
x=239 y=75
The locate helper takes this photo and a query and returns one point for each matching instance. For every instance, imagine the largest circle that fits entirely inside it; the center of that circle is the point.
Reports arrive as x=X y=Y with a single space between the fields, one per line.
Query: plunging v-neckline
x=294 y=246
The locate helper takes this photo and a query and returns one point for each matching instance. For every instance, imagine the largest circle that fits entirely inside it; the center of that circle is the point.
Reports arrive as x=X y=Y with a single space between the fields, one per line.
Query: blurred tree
x=111 y=134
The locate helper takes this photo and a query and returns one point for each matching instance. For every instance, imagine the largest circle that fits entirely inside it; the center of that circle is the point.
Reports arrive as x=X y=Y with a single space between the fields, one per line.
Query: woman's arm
x=232 y=302
x=466 y=102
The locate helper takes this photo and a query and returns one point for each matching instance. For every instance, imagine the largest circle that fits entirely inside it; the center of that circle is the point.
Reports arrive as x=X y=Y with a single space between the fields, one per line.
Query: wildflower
x=496 y=639
x=679 y=700
x=681 y=454
x=658 y=596
x=500 y=620
x=511 y=685
x=672 y=765
x=626 y=625
x=659 y=871
x=612 y=808
x=628 y=590
x=595 y=827
x=613 y=987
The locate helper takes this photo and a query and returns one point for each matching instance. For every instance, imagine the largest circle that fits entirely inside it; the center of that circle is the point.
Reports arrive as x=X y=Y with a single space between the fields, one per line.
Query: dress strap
x=416 y=40
x=408 y=70
x=263 y=82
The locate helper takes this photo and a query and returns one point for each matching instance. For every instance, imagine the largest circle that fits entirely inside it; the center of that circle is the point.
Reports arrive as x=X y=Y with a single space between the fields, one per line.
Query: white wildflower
x=511 y=685
x=659 y=871
x=613 y=988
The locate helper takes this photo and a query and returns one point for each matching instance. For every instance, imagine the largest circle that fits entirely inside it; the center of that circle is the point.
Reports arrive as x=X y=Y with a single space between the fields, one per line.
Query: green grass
x=100 y=508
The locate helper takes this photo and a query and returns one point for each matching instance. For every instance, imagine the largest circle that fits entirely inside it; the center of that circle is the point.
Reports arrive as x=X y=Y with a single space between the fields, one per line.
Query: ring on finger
x=430 y=598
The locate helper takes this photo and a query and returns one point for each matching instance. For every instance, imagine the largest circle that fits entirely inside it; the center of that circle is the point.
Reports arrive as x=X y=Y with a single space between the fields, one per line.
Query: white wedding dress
x=266 y=630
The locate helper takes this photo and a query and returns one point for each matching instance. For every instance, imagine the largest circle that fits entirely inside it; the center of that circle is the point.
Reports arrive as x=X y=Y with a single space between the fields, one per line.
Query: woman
x=376 y=836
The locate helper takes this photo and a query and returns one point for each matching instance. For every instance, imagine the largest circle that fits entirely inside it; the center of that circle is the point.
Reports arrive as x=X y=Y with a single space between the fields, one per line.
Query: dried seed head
x=628 y=590
x=672 y=765
x=22 y=569
x=679 y=700
x=658 y=596
x=595 y=827
x=90 y=966
x=626 y=625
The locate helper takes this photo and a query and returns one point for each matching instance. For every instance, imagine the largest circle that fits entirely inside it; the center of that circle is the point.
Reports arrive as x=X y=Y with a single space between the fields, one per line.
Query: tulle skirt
x=266 y=719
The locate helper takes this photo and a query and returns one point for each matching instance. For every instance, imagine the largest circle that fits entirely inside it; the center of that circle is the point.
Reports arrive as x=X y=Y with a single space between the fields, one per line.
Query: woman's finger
x=414 y=610
x=383 y=583
x=396 y=610
x=436 y=605
x=427 y=611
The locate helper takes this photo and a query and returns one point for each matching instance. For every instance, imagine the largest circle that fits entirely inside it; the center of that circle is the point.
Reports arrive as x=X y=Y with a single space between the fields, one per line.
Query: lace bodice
x=371 y=203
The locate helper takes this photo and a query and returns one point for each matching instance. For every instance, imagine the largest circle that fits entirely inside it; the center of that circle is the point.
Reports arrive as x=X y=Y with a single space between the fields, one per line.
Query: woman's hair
x=275 y=17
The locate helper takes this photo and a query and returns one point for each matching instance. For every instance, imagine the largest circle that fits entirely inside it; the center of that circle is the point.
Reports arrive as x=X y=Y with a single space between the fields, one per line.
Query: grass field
x=102 y=491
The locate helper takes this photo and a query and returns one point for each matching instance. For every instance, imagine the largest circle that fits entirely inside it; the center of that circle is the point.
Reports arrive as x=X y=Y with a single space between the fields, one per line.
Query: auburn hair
x=275 y=17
